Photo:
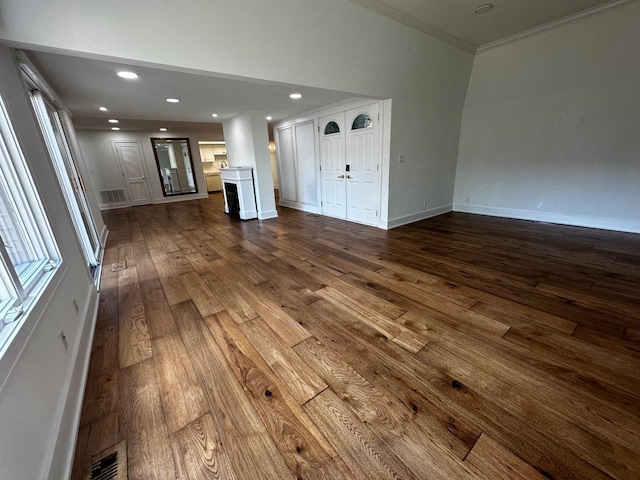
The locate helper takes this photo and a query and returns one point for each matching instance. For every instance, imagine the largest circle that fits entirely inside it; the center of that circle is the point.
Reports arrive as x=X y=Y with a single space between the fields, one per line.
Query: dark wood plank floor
x=306 y=347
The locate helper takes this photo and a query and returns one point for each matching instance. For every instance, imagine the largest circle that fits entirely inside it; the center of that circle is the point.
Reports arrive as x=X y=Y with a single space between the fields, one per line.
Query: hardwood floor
x=306 y=347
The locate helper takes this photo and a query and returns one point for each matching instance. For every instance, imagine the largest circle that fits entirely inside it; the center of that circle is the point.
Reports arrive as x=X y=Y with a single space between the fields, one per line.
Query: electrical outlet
x=558 y=122
x=584 y=119
x=540 y=206
x=425 y=204
x=467 y=199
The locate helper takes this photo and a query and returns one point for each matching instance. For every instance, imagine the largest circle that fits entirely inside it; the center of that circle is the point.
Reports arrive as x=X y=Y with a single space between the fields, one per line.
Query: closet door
x=306 y=163
x=332 y=165
x=287 y=163
x=362 y=169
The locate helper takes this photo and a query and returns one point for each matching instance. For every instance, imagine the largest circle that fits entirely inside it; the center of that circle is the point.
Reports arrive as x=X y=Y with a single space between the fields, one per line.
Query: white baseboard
x=268 y=214
x=113 y=206
x=416 y=217
x=62 y=460
x=632 y=226
x=300 y=206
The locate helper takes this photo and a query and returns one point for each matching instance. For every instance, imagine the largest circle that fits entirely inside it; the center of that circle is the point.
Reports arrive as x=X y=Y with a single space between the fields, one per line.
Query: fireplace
x=239 y=195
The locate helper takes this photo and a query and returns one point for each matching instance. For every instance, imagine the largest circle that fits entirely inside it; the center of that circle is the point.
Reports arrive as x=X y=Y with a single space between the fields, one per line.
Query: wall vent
x=112 y=196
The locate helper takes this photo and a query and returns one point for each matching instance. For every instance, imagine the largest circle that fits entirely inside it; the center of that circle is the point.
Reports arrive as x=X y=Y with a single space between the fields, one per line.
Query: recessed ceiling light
x=163 y=129
x=214 y=115
x=113 y=120
x=295 y=96
x=269 y=118
x=103 y=109
x=173 y=100
x=115 y=128
x=487 y=7
x=128 y=75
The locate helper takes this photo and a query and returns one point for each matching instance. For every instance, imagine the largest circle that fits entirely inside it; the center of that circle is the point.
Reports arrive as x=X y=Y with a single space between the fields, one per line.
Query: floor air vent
x=106 y=468
x=110 y=464
x=112 y=196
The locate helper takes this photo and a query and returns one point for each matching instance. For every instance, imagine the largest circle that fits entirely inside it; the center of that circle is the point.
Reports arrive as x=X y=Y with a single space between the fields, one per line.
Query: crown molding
x=399 y=16
x=583 y=15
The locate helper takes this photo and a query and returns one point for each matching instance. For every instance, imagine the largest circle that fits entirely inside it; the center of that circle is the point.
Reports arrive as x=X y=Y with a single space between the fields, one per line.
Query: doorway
x=129 y=154
x=350 y=164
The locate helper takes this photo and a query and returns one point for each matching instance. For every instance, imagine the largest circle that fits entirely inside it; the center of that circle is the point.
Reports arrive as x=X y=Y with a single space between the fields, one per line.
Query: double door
x=350 y=164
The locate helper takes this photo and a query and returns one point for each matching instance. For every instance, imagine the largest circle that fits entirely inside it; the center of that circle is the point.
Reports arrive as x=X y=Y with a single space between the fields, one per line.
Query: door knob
x=348 y=176
x=341 y=176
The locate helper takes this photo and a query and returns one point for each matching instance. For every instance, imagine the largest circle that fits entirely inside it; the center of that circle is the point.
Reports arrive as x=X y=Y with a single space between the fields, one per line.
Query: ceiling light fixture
x=128 y=75
x=112 y=120
x=269 y=118
x=163 y=129
x=295 y=96
x=115 y=128
x=173 y=100
x=214 y=115
x=103 y=109
x=487 y=7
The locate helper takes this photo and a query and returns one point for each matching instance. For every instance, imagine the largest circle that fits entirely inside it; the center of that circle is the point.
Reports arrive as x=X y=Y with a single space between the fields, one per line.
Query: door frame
x=384 y=150
x=143 y=161
x=384 y=136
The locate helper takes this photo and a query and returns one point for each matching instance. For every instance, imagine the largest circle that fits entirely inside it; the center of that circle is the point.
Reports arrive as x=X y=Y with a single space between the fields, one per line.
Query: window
x=68 y=177
x=332 y=127
x=27 y=247
x=362 y=121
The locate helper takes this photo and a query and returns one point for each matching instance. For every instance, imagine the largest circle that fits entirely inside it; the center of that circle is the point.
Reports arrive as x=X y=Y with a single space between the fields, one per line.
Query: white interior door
x=132 y=164
x=332 y=165
x=362 y=169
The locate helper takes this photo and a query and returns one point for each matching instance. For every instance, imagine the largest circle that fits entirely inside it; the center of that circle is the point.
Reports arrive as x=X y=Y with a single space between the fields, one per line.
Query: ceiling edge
x=584 y=14
x=423 y=27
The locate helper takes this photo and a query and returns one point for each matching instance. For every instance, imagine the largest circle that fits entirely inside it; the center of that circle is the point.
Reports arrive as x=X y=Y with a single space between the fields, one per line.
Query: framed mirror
x=175 y=166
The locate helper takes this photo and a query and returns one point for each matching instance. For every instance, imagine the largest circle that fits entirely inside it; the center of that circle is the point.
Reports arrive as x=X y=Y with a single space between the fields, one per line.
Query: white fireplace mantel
x=242 y=177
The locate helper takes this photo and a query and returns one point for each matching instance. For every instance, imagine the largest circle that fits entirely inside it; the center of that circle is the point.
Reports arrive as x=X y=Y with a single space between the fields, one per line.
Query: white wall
x=41 y=383
x=586 y=169
x=104 y=169
x=332 y=44
x=247 y=141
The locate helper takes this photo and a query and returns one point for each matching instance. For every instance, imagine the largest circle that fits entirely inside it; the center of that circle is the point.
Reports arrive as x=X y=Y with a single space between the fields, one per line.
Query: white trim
x=32 y=72
x=382 y=8
x=63 y=451
x=331 y=109
x=632 y=226
x=416 y=217
x=300 y=206
x=103 y=236
x=267 y=215
x=583 y=15
x=113 y=206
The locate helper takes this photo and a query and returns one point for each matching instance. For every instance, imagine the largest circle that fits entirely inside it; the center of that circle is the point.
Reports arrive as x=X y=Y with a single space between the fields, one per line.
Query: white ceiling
x=455 y=21
x=85 y=84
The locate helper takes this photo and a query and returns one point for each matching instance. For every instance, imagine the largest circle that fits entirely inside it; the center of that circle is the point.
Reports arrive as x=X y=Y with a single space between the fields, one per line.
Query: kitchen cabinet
x=214 y=184
x=207 y=153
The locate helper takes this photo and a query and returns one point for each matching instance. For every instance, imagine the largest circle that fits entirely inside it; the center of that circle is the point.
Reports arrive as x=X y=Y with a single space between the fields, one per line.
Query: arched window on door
x=362 y=121
x=332 y=127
